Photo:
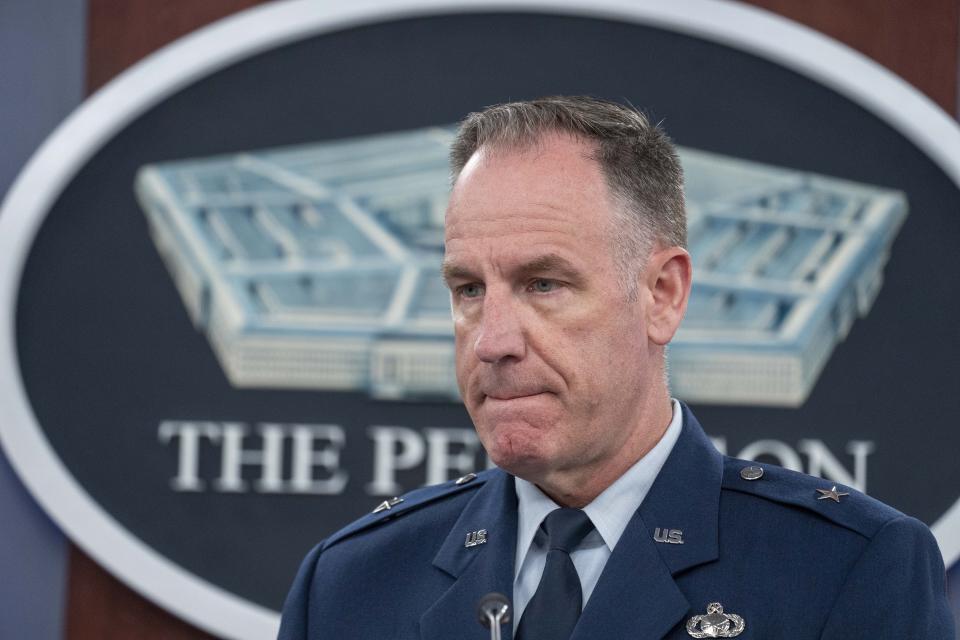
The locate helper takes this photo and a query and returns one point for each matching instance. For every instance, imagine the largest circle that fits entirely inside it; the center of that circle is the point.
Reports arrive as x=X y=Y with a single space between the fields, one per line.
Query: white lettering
x=824 y=464
x=233 y=456
x=440 y=460
x=315 y=452
x=860 y=449
x=188 y=455
x=720 y=443
x=327 y=459
x=783 y=452
x=394 y=449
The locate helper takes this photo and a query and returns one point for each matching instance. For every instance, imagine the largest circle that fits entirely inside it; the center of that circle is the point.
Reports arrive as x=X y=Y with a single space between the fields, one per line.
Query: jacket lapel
x=479 y=569
x=637 y=596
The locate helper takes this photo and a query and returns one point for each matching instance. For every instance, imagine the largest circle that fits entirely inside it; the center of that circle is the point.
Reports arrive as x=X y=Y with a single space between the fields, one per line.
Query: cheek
x=597 y=358
x=461 y=339
x=465 y=362
x=578 y=352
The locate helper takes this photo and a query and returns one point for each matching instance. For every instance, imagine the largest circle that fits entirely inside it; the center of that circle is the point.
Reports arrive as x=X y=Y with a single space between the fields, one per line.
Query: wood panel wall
x=917 y=39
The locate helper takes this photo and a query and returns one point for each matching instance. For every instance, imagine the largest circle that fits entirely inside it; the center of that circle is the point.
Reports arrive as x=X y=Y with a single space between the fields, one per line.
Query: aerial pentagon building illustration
x=317 y=267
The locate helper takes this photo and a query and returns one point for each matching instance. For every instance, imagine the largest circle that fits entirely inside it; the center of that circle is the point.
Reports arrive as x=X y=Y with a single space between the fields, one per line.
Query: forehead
x=551 y=191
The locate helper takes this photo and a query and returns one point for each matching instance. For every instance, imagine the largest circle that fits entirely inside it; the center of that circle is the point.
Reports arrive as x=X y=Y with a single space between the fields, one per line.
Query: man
x=611 y=515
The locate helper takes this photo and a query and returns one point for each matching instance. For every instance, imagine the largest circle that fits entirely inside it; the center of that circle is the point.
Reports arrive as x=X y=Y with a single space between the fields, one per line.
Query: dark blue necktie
x=553 y=611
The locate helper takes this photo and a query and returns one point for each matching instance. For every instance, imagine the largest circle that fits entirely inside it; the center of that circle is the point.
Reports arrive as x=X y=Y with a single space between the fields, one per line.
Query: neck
x=579 y=487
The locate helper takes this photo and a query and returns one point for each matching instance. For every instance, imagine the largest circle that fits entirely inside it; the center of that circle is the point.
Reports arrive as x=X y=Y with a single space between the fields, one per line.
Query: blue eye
x=472 y=290
x=541 y=285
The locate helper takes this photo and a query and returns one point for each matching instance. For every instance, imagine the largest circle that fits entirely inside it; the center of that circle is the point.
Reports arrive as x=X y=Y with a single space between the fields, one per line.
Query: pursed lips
x=513 y=395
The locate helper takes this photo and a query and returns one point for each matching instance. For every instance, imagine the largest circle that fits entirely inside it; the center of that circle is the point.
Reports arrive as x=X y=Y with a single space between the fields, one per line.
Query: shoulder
x=419 y=507
x=877 y=572
x=819 y=498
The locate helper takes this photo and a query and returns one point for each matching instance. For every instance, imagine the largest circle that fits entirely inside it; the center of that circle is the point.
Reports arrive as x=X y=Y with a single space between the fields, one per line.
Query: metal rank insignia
x=470 y=477
x=831 y=494
x=387 y=504
x=716 y=624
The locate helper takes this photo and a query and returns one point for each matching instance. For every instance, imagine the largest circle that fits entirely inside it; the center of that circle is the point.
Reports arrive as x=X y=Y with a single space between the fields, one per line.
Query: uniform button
x=751 y=473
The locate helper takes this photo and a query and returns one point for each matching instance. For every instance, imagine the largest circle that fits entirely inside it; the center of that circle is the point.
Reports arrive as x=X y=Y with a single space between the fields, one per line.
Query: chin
x=519 y=451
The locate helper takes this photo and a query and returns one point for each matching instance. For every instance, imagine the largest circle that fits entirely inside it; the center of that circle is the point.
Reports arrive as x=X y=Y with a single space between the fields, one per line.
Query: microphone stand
x=493 y=610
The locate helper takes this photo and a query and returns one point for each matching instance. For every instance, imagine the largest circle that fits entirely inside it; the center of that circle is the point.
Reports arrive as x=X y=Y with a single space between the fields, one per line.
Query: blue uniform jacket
x=790 y=565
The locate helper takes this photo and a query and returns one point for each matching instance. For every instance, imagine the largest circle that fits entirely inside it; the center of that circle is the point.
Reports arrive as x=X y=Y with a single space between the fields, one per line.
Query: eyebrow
x=550 y=263
x=546 y=263
x=454 y=272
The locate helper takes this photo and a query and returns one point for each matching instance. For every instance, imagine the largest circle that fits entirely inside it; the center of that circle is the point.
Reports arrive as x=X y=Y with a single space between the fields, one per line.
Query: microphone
x=492 y=611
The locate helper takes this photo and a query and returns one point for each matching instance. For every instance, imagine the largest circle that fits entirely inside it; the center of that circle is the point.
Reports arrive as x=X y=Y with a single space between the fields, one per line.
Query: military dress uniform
x=719 y=548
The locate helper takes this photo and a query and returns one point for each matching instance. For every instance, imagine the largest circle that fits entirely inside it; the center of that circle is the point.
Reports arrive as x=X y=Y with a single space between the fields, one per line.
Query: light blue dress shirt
x=610 y=513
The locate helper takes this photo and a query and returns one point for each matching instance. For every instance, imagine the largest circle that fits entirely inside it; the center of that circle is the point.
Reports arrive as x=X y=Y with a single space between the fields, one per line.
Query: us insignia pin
x=715 y=624
x=475 y=538
x=670 y=536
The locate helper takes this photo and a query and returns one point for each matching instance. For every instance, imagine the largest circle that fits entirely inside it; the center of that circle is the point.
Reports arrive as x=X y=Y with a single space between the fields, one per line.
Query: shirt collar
x=611 y=511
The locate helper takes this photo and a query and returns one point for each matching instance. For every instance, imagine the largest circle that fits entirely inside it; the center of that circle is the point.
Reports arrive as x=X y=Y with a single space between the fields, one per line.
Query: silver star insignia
x=831 y=494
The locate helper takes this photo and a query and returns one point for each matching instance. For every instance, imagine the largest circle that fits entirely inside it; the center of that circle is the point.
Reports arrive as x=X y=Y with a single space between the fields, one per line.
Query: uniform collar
x=686 y=497
x=477 y=569
x=611 y=511
x=637 y=595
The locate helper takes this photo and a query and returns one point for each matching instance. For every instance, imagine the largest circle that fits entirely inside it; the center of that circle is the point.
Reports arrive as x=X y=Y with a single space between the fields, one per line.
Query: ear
x=668 y=277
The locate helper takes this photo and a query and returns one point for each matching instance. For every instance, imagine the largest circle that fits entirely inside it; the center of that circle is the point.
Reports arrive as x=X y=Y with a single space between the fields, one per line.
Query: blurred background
x=55 y=53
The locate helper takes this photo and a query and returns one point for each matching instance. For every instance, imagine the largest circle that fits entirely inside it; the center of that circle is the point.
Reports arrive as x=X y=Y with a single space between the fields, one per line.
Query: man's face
x=553 y=360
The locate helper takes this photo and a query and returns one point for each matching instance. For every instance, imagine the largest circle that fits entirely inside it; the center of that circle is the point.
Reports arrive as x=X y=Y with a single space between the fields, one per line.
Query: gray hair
x=637 y=159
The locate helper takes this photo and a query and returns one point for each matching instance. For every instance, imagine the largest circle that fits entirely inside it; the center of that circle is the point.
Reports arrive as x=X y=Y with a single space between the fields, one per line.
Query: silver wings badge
x=716 y=624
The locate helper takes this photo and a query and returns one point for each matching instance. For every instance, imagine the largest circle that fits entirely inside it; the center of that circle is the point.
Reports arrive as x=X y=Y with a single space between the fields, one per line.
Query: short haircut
x=637 y=159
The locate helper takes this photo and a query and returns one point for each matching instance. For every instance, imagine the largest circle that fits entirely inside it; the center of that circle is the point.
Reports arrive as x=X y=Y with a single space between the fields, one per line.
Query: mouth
x=505 y=396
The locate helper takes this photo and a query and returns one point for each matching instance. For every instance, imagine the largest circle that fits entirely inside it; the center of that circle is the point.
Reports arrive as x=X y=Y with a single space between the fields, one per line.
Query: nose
x=501 y=334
